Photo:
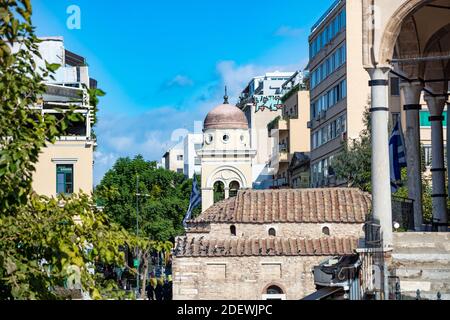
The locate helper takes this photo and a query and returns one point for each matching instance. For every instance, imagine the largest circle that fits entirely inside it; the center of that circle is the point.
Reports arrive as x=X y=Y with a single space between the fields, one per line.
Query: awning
x=323 y=293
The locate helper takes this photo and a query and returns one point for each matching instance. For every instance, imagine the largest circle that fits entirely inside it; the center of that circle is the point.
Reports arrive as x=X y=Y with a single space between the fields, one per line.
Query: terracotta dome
x=226 y=116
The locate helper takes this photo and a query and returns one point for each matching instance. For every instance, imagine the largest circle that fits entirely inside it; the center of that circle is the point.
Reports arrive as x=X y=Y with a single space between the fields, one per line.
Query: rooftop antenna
x=225 y=98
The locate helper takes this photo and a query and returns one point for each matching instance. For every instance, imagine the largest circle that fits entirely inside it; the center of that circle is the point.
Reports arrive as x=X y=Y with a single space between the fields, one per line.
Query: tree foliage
x=162 y=206
x=353 y=164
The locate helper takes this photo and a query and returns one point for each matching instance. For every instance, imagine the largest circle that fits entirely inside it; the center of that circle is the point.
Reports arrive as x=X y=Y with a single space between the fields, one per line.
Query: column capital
x=379 y=73
x=435 y=104
x=411 y=92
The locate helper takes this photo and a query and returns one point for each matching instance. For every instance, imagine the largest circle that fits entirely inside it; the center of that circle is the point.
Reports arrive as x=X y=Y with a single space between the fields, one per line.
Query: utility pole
x=137 y=232
x=137 y=261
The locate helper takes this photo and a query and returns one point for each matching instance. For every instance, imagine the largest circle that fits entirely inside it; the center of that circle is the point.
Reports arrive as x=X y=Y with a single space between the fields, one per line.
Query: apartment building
x=66 y=166
x=261 y=103
x=289 y=131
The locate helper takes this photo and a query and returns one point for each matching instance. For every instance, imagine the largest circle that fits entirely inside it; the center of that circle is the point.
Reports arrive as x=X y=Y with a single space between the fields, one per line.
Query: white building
x=192 y=163
x=261 y=103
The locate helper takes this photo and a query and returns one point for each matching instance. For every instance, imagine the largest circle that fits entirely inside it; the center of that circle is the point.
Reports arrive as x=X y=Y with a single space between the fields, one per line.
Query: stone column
x=436 y=107
x=381 y=182
x=448 y=146
x=411 y=93
x=227 y=192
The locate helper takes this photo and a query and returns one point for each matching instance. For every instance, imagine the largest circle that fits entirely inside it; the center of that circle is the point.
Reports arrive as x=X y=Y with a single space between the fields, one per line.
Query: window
x=328 y=33
x=226 y=138
x=274 y=293
x=233 y=230
x=395 y=118
x=330 y=65
x=180 y=157
x=272 y=232
x=274 y=290
x=64 y=178
x=234 y=188
x=326 y=231
x=427 y=155
x=180 y=171
x=219 y=191
x=395 y=86
x=209 y=139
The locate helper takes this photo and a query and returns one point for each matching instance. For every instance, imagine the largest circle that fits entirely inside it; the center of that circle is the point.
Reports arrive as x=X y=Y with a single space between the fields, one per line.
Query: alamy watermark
x=73 y=21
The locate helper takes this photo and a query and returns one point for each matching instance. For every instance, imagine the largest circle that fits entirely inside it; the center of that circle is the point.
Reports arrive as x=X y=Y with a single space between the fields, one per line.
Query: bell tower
x=226 y=156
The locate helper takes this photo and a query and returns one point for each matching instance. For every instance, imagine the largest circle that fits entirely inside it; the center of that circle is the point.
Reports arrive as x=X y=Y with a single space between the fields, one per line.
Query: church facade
x=264 y=244
x=255 y=245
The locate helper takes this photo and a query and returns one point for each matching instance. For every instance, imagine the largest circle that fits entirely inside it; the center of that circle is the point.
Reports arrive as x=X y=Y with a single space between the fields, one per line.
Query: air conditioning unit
x=309 y=125
x=322 y=114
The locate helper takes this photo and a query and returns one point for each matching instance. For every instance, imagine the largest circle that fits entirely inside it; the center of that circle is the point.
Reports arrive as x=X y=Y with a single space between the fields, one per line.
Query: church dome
x=226 y=116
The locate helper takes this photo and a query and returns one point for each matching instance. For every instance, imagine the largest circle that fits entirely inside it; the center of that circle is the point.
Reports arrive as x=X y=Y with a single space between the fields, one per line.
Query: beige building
x=66 y=166
x=289 y=131
x=263 y=244
x=226 y=155
x=173 y=159
x=261 y=103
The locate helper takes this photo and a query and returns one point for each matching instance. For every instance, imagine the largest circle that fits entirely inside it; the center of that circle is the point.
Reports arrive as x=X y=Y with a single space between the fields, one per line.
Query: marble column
x=381 y=183
x=411 y=92
x=439 y=196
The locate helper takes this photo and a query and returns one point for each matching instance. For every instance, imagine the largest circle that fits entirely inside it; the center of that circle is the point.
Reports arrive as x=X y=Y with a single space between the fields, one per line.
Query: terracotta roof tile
x=338 y=205
x=264 y=247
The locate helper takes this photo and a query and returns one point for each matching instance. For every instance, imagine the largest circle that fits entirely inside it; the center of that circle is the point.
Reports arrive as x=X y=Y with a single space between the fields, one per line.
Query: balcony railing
x=283 y=148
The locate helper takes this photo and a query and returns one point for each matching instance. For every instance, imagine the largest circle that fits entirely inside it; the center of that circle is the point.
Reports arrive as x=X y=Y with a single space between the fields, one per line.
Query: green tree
x=43 y=242
x=162 y=206
x=353 y=164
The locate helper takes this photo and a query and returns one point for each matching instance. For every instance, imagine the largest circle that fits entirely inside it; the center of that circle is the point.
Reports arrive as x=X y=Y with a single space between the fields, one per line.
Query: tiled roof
x=336 y=205
x=240 y=247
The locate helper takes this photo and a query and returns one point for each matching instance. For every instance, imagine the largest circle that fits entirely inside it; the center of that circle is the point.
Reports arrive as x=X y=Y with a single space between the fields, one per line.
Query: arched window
x=219 y=191
x=234 y=188
x=274 y=290
x=233 y=230
x=272 y=232
x=326 y=231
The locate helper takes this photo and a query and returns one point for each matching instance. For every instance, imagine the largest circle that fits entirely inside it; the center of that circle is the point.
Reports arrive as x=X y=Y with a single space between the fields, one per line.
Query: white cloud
x=287 y=31
x=180 y=81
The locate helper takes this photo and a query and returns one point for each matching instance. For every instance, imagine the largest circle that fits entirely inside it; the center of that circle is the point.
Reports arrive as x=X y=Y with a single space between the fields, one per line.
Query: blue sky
x=164 y=64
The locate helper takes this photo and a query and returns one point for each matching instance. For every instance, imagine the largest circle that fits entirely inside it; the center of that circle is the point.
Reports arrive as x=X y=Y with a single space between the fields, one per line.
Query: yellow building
x=66 y=166
x=290 y=131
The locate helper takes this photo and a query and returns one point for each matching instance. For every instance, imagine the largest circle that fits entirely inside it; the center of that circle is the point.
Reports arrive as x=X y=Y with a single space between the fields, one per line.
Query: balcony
x=277 y=125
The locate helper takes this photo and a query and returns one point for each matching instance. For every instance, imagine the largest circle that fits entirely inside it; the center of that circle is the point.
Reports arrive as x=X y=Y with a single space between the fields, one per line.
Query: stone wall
x=286 y=230
x=242 y=278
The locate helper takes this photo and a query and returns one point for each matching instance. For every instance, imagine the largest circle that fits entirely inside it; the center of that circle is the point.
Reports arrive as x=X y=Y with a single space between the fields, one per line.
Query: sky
x=164 y=64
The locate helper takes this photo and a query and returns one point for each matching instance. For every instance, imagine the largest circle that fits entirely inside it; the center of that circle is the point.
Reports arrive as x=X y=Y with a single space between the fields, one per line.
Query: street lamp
x=137 y=262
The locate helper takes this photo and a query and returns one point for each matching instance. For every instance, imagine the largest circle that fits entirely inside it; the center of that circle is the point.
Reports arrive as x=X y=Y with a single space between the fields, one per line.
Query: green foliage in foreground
x=44 y=243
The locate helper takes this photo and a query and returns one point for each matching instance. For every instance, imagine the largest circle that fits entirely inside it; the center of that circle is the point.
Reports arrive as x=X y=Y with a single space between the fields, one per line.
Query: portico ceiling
x=422 y=50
